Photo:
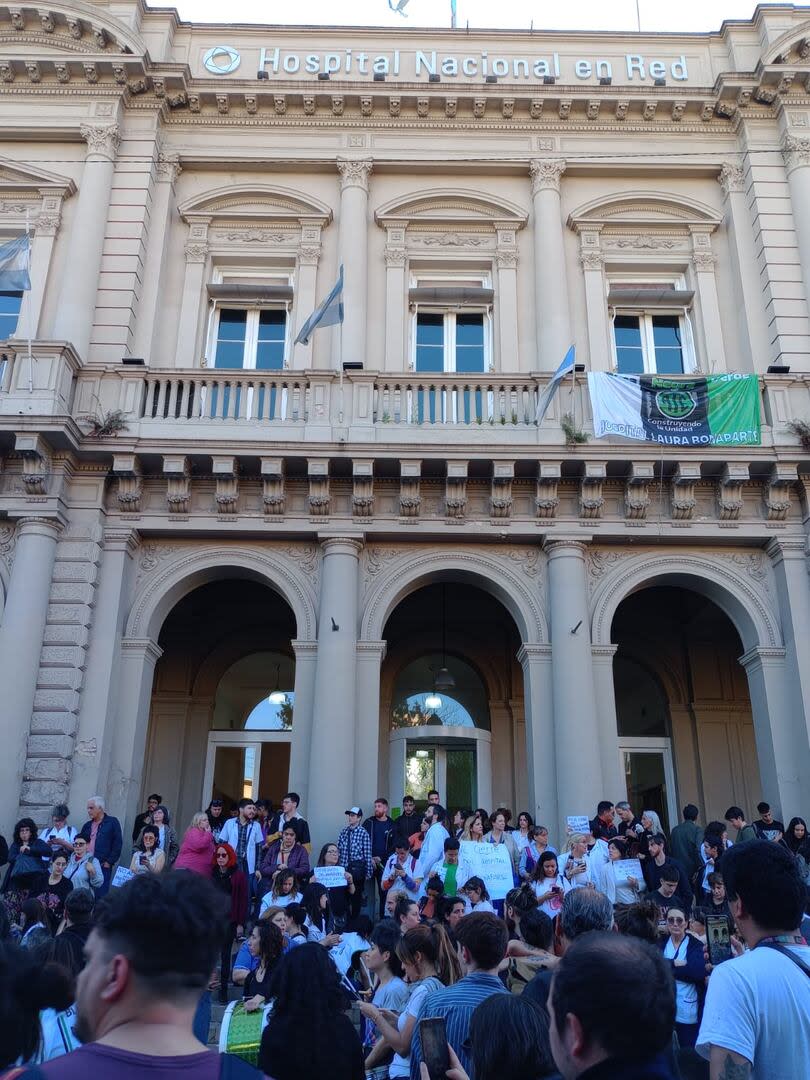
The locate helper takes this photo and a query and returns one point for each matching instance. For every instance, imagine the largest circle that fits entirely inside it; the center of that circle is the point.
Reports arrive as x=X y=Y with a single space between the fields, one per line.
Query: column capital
x=566 y=546
x=102 y=140
x=39 y=526
x=309 y=254
x=371 y=650
x=168 y=167
x=127 y=540
x=196 y=252
x=141 y=648
x=546 y=174
x=796 y=152
x=342 y=545
x=529 y=652
x=760 y=656
x=731 y=178
x=304 y=650
x=354 y=172
x=787 y=547
x=603 y=653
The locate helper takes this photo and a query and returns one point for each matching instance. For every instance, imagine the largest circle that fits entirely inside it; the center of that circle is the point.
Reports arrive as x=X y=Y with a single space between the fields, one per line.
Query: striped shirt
x=456 y=1004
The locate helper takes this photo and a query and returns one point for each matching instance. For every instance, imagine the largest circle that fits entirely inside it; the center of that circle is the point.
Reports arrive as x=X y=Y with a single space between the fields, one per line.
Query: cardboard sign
x=121 y=877
x=578 y=824
x=331 y=877
x=627 y=868
x=490 y=862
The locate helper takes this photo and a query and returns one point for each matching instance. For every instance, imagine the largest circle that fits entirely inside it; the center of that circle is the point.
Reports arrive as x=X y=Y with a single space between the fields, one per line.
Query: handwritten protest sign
x=490 y=862
x=579 y=824
x=121 y=877
x=331 y=877
x=627 y=868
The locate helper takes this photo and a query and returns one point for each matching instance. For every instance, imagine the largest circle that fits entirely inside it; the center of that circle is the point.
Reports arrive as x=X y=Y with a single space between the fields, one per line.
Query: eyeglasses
x=222 y=854
x=676 y=921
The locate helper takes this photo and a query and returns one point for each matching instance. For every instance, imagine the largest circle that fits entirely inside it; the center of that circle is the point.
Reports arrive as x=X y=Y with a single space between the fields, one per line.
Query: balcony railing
x=219 y=396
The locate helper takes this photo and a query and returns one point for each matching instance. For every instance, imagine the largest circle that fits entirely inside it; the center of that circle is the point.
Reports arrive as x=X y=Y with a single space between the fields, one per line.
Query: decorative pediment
x=16 y=177
x=451 y=207
x=792 y=47
x=81 y=27
x=644 y=209
x=259 y=203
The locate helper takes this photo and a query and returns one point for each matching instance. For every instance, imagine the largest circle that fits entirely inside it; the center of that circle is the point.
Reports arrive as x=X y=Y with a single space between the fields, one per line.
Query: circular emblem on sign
x=676 y=404
x=221 y=60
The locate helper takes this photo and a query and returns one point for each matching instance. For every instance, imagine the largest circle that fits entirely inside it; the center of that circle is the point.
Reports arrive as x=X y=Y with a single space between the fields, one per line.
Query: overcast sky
x=685 y=15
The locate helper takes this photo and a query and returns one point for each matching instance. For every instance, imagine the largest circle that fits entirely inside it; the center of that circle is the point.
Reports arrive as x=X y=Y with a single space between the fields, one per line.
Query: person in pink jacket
x=197 y=849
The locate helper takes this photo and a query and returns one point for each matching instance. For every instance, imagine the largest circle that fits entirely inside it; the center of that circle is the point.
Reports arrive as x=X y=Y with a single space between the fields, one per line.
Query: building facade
x=231 y=563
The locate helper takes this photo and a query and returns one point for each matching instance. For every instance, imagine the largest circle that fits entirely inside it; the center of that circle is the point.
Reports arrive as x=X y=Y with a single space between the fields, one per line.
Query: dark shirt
x=381 y=833
x=684 y=846
x=140 y=821
x=108 y=843
x=538 y=988
x=602 y=831
x=114 y=1064
x=666 y=902
x=330 y=1048
x=626 y=827
x=617 y=1069
x=406 y=825
x=652 y=876
x=278 y=822
x=768 y=832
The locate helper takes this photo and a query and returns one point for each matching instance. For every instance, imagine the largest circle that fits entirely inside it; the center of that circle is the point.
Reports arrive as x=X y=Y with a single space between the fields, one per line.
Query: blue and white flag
x=14 y=261
x=327 y=313
x=565 y=368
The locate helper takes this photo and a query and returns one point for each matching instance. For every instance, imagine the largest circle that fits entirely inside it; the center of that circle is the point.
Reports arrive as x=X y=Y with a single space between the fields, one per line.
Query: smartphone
x=435 y=1052
x=718 y=938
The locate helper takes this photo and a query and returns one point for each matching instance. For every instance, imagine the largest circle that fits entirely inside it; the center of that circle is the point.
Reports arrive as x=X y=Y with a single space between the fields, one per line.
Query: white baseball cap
x=355 y=810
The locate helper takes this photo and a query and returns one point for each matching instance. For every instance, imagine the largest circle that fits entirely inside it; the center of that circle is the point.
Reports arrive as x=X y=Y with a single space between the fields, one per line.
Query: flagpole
x=28 y=320
x=340 y=365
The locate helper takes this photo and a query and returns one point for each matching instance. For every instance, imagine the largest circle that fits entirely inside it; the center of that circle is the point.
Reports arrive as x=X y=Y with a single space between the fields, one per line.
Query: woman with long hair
x=530 y=855
x=498 y=835
x=148 y=857
x=308 y=1033
x=286 y=853
x=232 y=883
x=430 y=963
x=34 y=924
x=798 y=842
x=284 y=891
x=339 y=895
x=477 y=896
x=509 y=1037
x=548 y=884
x=296 y=928
x=27 y=986
x=618 y=887
x=474 y=828
x=522 y=835
x=319 y=920
x=56 y=890
x=266 y=944
x=197 y=848
x=688 y=964
x=28 y=859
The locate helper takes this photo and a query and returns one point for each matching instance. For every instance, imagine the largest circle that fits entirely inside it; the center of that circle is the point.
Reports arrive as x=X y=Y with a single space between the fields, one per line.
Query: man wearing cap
x=354 y=854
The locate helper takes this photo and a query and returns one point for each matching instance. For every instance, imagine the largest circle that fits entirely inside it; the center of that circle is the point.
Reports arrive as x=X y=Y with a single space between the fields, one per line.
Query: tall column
x=306 y=657
x=396 y=300
x=77 y=297
x=21 y=634
x=537 y=695
x=593 y=272
x=551 y=307
x=333 y=747
x=167 y=170
x=353 y=247
x=612 y=775
x=506 y=260
x=370 y=655
x=196 y=260
x=576 y=728
x=710 y=325
x=100 y=690
x=306 y=299
x=796 y=152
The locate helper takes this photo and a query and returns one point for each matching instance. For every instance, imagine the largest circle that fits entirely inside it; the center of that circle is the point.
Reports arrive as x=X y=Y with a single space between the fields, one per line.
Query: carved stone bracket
x=503 y=474
x=776 y=494
x=410 y=500
x=546 y=174
x=637 y=491
x=546 y=499
x=178 y=484
x=591 y=500
x=274 y=497
x=729 y=492
x=127 y=470
x=683 y=500
x=455 y=492
x=36 y=462
x=226 y=493
x=320 y=500
x=363 y=488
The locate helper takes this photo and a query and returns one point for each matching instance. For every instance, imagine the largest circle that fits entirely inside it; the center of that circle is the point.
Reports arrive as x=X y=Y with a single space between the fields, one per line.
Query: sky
x=621 y=15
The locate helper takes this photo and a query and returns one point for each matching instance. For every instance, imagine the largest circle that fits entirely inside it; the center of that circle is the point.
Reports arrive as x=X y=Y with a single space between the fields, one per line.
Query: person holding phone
x=148 y=858
x=548 y=884
x=574 y=867
x=685 y=954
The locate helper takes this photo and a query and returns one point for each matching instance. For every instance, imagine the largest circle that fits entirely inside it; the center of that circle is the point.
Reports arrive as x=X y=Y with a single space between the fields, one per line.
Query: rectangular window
x=250 y=338
x=649 y=343
x=10 y=303
x=451 y=341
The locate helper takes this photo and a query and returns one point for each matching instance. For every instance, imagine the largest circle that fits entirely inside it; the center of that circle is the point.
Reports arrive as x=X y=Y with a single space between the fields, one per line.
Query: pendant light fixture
x=444 y=680
x=277 y=696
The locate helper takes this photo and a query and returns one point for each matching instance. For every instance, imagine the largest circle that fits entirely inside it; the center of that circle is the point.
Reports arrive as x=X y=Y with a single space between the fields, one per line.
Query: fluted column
x=332 y=750
x=21 y=634
x=576 y=728
x=196 y=262
x=353 y=246
x=306 y=656
x=306 y=299
x=77 y=297
x=167 y=170
x=796 y=152
x=551 y=308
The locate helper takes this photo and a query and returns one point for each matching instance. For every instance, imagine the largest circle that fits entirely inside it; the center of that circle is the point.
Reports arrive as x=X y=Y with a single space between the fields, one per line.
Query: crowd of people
x=621 y=952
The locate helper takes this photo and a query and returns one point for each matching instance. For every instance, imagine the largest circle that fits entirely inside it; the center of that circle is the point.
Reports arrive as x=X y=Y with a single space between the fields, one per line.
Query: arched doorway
x=683 y=709
x=222 y=708
x=452 y=715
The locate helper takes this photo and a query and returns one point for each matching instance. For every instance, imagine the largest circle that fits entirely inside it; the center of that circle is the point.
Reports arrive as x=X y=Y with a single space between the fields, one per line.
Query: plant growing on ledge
x=801 y=429
x=573 y=435
x=102 y=424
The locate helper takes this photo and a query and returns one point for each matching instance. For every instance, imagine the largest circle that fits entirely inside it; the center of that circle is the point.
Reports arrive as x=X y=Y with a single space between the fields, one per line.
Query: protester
x=284 y=891
x=380 y=829
x=603 y=825
x=399 y=872
x=685 y=840
x=685 y=954
x=735 y=816
x=149 y=958
x=712 y=850
x=629 y=827
x=79 y=912
x=576 y=870
x=447 y=869
x=308 y=1034
x=145 y=818
x=530 y=856
x=766 y=826
x=27 y=986
x=474 y=827
x=451 y=911
x=83 y=870
x=104 y=842
x=655 y=863
x=406 y=914
x=56 y=889
x=429 y=963
x=433 y=798
x=320 y=921
x=548 y=884
x=586 y=1041
x=286 y=853
x=197 y=849
x=28 y=859
x=433 y=843
x=478 y=898
x=524 y=832
x=167 y=837
x=641 y=920
x=216 y=818
x=339 y=896
x=756 y=1021
x=620 y=888
x=718 y=901
x=796 y=839
x=354 y=847
x=582 y=910
x=244 y=834
x=530 y=951
x=35 y=925
x=289 y=815
x=429 y=903
x=498 y=835
x=390 y=993
x=148 y=858
x=266 y=944
x=667 y=895
x=296 y=930
x=407 y=823
x=482 y=942
x=56 y=1025
x=228 y=879
x=59 y=836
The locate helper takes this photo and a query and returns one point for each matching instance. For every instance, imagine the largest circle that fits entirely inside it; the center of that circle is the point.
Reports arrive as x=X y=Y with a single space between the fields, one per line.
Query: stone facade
x=135 y=468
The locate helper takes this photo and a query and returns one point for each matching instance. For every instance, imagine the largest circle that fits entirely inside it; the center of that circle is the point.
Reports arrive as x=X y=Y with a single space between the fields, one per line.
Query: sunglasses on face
x=676 y=922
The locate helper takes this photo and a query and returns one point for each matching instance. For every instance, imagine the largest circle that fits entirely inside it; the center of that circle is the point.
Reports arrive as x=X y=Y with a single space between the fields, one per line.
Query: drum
x=241 y=1032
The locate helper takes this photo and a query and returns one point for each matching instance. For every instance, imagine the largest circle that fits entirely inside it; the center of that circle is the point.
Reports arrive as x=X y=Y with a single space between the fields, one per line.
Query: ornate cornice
x=546 y=174
x=354 y=172
x=102 y=139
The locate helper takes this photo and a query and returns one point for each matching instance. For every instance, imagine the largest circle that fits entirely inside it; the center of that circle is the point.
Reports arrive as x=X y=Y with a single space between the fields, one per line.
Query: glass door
x=650 y=778
x=420 y=773
x=240 y=766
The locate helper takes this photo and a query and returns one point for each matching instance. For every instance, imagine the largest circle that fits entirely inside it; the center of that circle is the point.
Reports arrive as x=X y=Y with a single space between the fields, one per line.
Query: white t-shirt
x=686 y=995
x=758 y=1005
x=400 y=1066
x=280 y=901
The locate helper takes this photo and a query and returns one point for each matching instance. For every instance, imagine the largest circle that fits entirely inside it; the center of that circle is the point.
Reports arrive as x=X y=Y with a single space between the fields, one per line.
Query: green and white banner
x=712 y=410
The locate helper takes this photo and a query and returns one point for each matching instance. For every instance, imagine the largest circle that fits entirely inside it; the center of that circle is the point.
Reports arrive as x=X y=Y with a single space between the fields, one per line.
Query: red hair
x=230 y=852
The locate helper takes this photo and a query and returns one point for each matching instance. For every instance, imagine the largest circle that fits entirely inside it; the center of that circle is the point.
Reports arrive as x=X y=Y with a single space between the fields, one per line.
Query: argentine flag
x=328 y=313
x=14 y=261
x=565 y=368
